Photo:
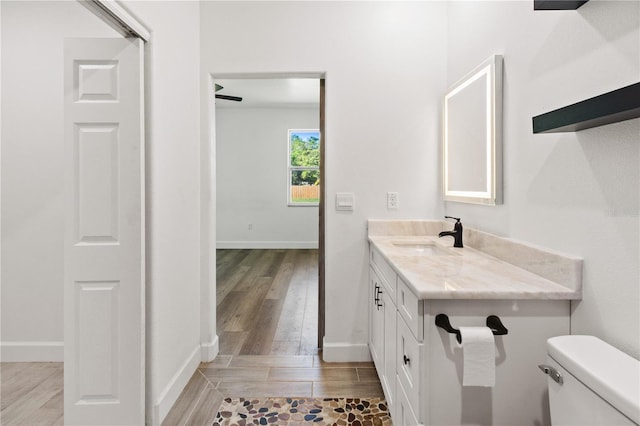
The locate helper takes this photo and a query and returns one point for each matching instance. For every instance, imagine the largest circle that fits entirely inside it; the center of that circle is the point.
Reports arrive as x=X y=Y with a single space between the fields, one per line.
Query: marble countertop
x=434 y=269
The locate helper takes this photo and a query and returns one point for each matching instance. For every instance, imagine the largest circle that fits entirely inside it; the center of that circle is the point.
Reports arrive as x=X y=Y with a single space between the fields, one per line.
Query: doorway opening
x=269 y=144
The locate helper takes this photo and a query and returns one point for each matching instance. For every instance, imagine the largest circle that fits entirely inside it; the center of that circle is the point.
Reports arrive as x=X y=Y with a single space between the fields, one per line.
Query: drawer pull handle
x=377 y=296
x=406 y=359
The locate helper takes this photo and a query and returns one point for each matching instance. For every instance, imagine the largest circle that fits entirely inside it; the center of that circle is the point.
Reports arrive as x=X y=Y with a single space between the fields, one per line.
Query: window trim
x=291 y=169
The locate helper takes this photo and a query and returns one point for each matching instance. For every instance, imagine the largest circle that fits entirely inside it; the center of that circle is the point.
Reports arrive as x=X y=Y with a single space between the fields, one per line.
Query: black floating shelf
x=618 y=105
x=557 y=4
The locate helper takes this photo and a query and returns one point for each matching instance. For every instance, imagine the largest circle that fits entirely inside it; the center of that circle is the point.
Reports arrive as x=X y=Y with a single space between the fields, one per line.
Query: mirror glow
x=471 y=136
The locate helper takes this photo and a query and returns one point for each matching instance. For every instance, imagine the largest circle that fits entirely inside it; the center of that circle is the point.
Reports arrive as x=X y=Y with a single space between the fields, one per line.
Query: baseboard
x=208 y=351
x=176 y=385
x=267 y=244
x=32 y=351
x=345 y=352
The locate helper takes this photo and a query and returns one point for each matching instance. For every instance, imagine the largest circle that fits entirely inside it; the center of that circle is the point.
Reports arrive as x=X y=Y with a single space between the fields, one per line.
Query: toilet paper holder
x=493 y=322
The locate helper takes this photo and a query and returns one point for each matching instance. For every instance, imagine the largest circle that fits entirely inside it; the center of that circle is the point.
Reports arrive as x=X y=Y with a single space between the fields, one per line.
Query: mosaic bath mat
x=303 y=411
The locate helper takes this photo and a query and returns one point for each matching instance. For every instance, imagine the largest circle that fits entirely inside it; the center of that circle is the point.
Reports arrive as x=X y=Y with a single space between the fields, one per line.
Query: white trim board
x=174 y=388
x=267 y=245
x=32 y=351
x=209 y=351
x=345 y=352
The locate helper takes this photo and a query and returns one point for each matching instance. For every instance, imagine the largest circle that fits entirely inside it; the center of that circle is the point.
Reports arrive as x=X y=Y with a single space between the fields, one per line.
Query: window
x=304 y=168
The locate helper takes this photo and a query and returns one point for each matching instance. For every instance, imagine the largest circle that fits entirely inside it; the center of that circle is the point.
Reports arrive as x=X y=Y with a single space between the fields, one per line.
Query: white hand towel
x=479 y=353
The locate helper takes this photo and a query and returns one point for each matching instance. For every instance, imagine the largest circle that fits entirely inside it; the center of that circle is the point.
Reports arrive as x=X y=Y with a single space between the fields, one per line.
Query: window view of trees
x=304 y=166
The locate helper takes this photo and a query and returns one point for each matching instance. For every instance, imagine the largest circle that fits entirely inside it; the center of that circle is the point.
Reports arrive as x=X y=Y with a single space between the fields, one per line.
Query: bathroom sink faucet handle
x=456 y=233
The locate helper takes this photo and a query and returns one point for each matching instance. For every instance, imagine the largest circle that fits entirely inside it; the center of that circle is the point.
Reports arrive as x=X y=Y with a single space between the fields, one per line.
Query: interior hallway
x=267 y=325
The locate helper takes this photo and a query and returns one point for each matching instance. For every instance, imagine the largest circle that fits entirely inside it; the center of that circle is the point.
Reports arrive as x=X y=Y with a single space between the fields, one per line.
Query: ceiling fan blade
x=229 y=98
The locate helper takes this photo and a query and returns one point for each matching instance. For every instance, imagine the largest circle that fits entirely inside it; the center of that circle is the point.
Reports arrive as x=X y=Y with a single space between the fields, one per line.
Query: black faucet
x=456 y=233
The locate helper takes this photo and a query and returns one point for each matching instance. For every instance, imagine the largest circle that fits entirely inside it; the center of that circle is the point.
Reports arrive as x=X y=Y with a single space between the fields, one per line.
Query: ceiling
x=270 y=92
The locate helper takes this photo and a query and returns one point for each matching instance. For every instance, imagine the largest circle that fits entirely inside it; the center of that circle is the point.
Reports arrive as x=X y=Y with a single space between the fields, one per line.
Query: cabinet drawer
x=387 y=272
x=411 y=309
x=404 y=414
x=408 y=362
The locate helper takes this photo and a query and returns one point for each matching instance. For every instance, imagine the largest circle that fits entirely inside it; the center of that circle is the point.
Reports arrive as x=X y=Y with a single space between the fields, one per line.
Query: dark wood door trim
x=321 y=233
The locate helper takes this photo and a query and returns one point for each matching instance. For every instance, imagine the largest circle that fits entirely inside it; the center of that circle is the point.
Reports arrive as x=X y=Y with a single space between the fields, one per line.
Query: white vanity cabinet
x=395 y=340
x=420 y=365
x=382 y=325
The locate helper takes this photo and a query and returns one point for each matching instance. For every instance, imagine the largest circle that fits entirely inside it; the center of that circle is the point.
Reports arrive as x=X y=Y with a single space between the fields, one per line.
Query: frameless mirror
x=472 y=136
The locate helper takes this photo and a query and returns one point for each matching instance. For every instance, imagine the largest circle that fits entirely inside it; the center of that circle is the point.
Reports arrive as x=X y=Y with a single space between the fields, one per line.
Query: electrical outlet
x=392 y=200
x=250 y=227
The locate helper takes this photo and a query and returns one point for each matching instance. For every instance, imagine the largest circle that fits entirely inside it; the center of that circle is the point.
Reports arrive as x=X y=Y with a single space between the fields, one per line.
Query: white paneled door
x=104 y=232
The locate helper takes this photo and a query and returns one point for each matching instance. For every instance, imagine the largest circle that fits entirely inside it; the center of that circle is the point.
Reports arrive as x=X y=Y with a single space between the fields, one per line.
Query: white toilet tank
x=600 y=384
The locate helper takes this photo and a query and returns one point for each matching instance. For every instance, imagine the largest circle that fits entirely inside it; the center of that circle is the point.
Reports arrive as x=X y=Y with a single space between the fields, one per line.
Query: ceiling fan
x=226 y=97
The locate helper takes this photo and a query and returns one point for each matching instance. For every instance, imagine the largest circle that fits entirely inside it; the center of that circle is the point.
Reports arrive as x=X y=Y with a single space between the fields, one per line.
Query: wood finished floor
x=267 y=325
x=31 y=393
x=267 y=302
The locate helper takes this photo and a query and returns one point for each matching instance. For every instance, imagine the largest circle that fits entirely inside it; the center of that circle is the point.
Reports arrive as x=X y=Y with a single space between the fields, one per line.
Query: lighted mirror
x=472 y=142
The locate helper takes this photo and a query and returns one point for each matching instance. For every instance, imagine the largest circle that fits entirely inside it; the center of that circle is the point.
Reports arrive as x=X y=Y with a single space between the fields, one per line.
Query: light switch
x=345 y=201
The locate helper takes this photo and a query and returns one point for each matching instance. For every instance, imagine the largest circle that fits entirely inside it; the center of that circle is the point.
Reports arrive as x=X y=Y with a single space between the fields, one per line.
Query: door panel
x=104 y=232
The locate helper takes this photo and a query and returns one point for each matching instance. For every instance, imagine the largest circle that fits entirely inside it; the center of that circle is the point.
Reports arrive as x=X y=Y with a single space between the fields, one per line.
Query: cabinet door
x=408 y=364
x=404 y=415
x=376 y=322
x=389 y=377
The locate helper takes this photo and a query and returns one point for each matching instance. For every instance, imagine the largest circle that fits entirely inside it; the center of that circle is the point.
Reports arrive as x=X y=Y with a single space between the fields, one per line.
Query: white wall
x=173 y=198
x=32 y=209
x=32 y=172
x=573 y=192
x=385 y=74
x=251 y=176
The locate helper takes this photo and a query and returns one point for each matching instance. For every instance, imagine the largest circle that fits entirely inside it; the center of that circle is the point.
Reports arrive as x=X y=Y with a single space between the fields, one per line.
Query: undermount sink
x=423 y=249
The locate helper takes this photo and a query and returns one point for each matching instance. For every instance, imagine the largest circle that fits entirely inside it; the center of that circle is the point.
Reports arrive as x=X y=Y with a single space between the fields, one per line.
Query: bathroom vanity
x=414 y=276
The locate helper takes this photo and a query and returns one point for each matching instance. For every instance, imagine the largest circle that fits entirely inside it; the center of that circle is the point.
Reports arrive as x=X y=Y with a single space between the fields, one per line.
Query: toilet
x=591 y=383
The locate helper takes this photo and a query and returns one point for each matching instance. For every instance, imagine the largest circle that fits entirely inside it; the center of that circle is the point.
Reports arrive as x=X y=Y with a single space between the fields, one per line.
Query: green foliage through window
x=304 y=166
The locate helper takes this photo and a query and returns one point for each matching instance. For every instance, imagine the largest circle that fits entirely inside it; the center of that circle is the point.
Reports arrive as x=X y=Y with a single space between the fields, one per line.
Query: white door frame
x=208 y=186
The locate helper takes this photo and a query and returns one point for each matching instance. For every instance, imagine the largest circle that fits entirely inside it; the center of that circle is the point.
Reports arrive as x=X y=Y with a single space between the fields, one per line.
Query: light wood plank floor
x=267 y=302
x=31 y=393
x=267 y=326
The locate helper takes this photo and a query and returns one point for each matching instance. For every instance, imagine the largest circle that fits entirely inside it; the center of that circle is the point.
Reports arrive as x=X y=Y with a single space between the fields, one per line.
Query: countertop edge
x=565 y=293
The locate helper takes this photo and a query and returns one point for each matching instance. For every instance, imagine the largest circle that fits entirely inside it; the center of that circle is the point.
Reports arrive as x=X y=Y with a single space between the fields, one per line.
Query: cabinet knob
x=406 y=359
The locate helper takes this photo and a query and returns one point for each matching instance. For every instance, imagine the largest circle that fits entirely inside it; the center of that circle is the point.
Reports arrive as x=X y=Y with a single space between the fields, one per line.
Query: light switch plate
x=345 y=201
